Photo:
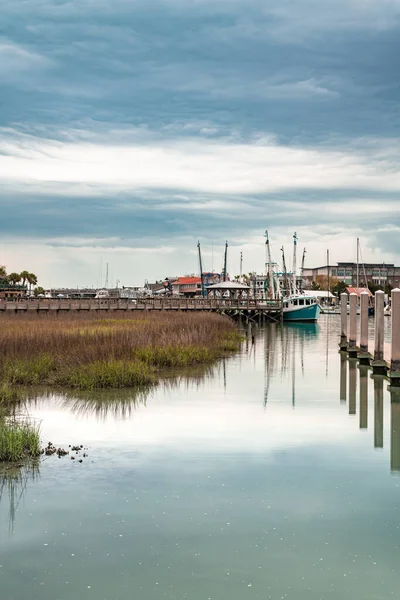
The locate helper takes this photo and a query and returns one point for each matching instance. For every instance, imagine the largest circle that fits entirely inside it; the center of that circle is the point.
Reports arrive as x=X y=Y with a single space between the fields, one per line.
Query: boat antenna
x=241 y=266
x=201 y=271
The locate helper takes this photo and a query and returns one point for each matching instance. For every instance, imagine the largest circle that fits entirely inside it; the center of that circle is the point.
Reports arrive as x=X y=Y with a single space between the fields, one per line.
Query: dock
x=249 y=309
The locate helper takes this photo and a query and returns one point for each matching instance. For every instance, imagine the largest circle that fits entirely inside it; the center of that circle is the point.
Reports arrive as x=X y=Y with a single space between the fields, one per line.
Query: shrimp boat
x=298 y=306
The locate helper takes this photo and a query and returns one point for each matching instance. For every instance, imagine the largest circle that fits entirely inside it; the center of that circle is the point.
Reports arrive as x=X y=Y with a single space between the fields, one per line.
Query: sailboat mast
x=302 y=268
x=329 y=274
x=358 y=258
x=241 y=266
x=294 y=263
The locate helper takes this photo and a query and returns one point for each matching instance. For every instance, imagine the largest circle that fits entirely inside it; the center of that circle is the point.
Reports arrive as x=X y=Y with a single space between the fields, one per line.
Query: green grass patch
x=18 y=440
x=32 y=371
x=107 y=374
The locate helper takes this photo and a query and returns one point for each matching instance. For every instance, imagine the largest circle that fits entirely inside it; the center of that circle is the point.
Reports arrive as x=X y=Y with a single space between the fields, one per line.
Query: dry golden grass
x=88 y=351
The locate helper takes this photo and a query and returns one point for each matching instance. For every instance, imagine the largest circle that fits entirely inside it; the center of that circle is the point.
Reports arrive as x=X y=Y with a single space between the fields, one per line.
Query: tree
x=32 y=280
x=3 y=272
x=14 y=278
x=339 y=288
x=24 y=276
x=38 y=291
x=323 y=283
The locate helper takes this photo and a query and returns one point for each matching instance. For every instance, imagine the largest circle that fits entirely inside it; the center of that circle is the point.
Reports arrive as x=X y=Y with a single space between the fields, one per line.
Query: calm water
x=275 y=477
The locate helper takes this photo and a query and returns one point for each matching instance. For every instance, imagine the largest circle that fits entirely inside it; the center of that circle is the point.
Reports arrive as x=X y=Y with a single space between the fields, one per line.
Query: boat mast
x=302 y=268
x=329 y=276
x=201 y=271
x=225 y=259
x=294 y=266
x=285 y=277
x=269 y=263
x=241 y=267
x=357 y=269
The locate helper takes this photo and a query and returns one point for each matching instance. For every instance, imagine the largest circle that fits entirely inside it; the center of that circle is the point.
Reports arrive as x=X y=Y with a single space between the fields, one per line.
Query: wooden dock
x=255 y=310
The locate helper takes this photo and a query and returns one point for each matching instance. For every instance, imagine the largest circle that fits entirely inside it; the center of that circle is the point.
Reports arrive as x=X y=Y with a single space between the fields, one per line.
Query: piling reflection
x=395 y=430
x=352 y=385
x=343 y=376
x=378 y=411
x=363 y=396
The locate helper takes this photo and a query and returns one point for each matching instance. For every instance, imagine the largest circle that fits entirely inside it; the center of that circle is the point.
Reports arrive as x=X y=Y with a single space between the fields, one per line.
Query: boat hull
x=302 y=313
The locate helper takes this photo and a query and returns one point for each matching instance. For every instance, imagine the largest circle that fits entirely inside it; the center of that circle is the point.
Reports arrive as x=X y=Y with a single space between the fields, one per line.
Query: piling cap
x=379 y=292
x=364 y=294
x=395 y=290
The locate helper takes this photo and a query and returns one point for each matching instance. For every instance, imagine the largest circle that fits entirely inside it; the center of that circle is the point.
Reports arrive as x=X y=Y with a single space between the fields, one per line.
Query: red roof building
x=187 y=286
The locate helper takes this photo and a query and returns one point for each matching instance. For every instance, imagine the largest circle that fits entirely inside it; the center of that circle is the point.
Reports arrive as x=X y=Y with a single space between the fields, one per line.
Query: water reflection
x=14 y=480
x=378 y=411
x=352 y=385
x=363 y=396
x=343 y=376
x=395 y=430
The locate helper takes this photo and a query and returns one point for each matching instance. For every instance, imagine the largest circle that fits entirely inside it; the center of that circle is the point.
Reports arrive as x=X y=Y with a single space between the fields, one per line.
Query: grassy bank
x=86 y=352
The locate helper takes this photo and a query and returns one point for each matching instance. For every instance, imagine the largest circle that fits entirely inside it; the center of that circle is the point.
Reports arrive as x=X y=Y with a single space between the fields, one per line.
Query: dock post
x=378 y=411
x=395 y=361
x=343 y=376
x=379 y=365
x=363 y=354
x=395 y=429
x=352 y=386
x=343 y=313
x=353 y=350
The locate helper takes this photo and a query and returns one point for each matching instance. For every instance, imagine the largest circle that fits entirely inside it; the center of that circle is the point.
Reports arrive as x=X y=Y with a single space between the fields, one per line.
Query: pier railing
x=153 y=303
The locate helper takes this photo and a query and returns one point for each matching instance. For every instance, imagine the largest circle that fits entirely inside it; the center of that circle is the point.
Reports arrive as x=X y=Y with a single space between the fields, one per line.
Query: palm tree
x=32 y=280
x=24 y=276
x=3 y=271
x=14 y=278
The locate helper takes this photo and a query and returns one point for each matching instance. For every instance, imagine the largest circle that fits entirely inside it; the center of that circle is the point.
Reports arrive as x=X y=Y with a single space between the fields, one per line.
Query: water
x=270 y=478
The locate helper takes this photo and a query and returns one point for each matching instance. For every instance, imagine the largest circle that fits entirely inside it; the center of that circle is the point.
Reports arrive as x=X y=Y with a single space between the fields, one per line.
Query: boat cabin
x=299 y=302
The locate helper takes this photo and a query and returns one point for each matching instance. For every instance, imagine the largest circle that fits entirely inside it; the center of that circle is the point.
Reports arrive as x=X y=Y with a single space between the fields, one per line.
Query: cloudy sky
x=129 y=129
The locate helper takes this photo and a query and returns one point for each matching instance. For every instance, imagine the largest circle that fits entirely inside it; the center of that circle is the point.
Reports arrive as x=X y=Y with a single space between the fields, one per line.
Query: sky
x=131 y=129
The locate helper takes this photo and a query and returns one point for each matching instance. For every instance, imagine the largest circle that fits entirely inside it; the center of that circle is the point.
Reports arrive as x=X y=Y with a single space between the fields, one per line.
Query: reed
x=18 y=440
x=87 y=351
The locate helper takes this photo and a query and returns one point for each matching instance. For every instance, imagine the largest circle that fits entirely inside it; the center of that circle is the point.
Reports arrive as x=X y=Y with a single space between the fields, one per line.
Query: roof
x=228 y=285
x=358 y=291
x=318 y=293
x=186 y=280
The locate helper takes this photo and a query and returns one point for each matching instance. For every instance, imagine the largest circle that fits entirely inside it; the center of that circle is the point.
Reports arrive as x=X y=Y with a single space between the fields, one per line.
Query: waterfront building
x=379 y=273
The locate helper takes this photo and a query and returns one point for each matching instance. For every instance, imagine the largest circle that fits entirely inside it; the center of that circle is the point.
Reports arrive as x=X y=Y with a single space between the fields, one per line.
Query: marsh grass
x=19 y=439
x=88 y=352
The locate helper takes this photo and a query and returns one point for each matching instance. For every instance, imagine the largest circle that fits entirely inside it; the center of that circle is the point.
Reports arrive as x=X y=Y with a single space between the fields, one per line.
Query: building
x=379 y=273
x=187 y=287
x=11 y=292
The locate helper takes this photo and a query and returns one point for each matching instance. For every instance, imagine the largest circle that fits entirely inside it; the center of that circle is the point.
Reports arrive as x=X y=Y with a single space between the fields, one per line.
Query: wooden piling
x=395 y=360
x=352 y=348
x=363 y=396
x=379 y=365
x=343 y=376
x=343 y=313
x=363 y=354
x=352 y=386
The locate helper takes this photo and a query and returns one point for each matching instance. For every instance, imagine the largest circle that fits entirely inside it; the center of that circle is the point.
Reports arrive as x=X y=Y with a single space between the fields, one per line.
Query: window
x=294 y=302
x=308 y=301
x=301 y=302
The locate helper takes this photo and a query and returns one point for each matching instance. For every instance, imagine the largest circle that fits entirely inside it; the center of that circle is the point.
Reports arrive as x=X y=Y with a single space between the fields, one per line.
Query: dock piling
x=395 y=360
x=353 y=326
x=378 y=411
x=343 y=315
x=363 y=355
x=379 y=364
